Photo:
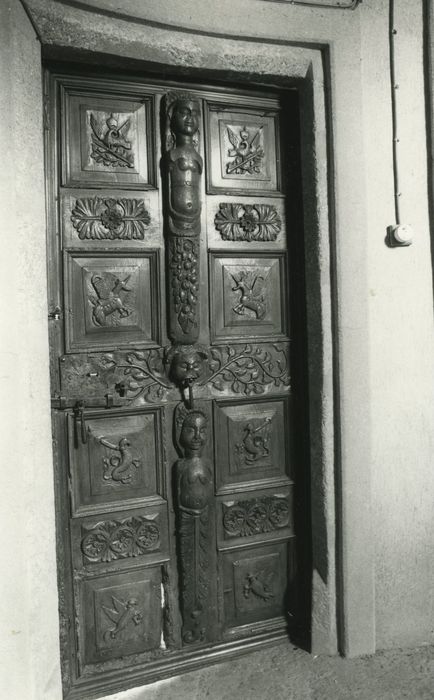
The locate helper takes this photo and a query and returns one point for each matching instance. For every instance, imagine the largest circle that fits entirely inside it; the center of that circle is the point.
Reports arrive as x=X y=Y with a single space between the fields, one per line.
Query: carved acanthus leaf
x=248 y=222
x=95 y=218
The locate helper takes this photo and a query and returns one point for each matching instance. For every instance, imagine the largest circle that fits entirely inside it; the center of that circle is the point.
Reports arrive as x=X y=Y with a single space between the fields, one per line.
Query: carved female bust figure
x=184 y=164
x=194 y=479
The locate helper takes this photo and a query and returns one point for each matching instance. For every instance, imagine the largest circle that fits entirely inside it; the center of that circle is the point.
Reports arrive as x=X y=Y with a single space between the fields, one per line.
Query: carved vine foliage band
x=152 y=376
x=248 y=222
x=182 y=169
x=249 y=369
x=95 y=218
x=119 y=539
x=255 y=516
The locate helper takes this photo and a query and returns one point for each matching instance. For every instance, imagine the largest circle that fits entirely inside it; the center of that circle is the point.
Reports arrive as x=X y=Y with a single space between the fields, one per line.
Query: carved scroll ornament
x=194 y=499
x=182 y=167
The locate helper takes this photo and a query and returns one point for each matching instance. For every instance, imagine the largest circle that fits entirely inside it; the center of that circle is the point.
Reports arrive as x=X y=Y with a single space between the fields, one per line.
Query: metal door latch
x=79 y=424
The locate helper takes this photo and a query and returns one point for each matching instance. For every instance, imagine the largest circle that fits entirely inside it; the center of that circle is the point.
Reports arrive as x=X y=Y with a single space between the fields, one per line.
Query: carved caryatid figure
x=183 y=169
x=194 y=498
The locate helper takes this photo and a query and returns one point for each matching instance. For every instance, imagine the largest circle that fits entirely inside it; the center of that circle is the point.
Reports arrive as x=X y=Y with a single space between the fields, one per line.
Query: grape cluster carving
x=185 y=274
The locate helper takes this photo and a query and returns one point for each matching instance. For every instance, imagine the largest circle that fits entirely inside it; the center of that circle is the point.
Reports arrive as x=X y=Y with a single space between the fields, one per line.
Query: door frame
x=342 y=588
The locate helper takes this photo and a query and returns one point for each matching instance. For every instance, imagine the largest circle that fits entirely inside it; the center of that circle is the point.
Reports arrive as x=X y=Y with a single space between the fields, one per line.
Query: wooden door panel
x=250 y=223
x=121 y=540
x=254 y=584
x=247 y=295
x=120 y=615
x=241 y=149
x=107 y=140
x=111 y=300
x=252 y=446
x=121 y=462
x=255 y=517
x=110 y=219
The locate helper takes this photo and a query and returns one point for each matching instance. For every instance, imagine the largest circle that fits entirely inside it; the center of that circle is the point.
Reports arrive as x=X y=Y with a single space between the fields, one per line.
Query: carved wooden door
x=169 y=307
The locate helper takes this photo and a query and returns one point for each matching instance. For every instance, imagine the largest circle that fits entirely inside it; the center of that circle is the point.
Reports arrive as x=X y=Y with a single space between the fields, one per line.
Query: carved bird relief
x=121 y=614
x=109 y=306
x=120 y=468
x=256 y=441
x=260 y=585
x=251 y=286
x=109 y=145
x=247 y=152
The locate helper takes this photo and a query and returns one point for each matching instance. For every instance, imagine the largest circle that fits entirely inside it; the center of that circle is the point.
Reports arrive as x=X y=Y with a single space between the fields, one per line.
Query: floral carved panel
x=95 y=218
x=248 y=222
x=119 y=539
x=255 y=516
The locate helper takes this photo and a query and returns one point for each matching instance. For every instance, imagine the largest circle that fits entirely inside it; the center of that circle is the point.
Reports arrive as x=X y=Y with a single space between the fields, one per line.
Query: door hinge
x=55 y=314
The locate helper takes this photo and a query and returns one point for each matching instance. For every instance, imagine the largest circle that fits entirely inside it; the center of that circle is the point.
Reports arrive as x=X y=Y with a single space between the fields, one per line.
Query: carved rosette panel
x=182 y=170
x=95 y=218
x=119 y=539
x=249 y=369
x=255 y=516
x=248 y=222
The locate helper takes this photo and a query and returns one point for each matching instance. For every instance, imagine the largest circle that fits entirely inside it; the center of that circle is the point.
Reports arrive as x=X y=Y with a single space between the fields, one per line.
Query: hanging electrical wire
x=398 y=234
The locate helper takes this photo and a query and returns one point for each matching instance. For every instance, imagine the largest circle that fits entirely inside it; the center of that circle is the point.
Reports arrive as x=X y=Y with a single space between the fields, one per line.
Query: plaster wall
x=380 y=373
x=29 y=648
x=401 y=332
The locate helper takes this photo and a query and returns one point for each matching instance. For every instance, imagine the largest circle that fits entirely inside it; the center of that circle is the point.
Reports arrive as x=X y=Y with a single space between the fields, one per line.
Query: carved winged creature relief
x=255 y=444
x=109 y=305
x=122 y=467
x=247 y=152
x=250 y=285
x=109 y=143
x=259 y=585
x=121 y=614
